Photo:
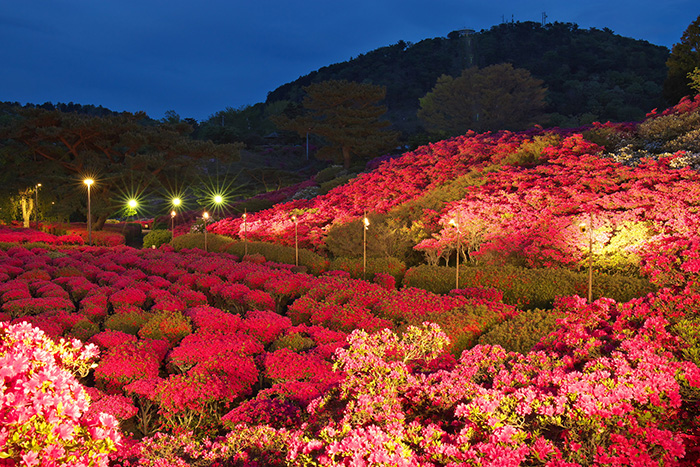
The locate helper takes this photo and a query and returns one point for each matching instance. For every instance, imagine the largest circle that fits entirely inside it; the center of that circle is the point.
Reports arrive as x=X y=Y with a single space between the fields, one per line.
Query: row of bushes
x=528 y=288
x=523 y=287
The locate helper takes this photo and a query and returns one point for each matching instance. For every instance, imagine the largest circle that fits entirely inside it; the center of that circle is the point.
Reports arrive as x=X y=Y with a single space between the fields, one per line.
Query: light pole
x=172 y=224
x=36 y=207
x=296 y=240
x=176 y=202
x=590 y=256
x=205 y=217
x=245 y=232
x=365 y=223
x=459 y=246
x=89 y=182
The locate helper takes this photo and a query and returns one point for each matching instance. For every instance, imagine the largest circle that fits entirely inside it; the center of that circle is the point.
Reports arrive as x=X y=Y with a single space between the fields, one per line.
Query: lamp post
x=459 y=235
x=205 y=217
x=36 y=205
x=176 y=202
x=89 y=182
x=365 y=223
x=172 y=224
x=590 y=256
x=245 y=232
x=296 y=240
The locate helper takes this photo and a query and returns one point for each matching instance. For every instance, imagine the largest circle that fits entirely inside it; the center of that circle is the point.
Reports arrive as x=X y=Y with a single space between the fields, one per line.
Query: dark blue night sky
x=197 y=58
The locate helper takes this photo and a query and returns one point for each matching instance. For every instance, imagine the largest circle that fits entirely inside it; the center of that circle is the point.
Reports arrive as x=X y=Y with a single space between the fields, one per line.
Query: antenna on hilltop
x=544 y=18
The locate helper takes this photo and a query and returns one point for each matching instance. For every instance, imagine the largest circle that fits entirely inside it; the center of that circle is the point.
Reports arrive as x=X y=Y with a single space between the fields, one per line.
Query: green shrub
x=465 y=324
x=336 y=182
x=522 y=332
x=619 y=287
x=253 y=205
x=530 y=153
x=133 y=235
x=315 y=263
x=129 y=323
x=157 y=238
x=167 y=325
x=294 y=341
x=216 y=243
x=528 y=288
x=84 y=329
x=391 y=266
x=386 y=236
x=328 y=174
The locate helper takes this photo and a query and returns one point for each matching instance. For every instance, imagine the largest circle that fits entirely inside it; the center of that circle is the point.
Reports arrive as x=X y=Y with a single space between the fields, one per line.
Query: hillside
x=591 y=75
x=214 y=354
x=520 y=197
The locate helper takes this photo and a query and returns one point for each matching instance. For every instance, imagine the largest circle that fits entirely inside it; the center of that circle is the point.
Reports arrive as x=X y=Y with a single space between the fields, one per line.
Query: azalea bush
x=45 y=410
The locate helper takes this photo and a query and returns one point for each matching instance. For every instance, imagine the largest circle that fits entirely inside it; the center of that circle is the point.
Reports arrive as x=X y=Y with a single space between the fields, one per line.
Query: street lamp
x=459 y=235
x=172 y=224
x=365 y=223
x=36 y=207
x=205 y=217
x=218 y=199
x=176 y=202
x=89 y=182
x=296 y=240
x=245 y=232
x=590 y=256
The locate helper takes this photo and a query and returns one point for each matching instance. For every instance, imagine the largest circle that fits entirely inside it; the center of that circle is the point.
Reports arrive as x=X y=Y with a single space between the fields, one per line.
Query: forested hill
x=591 y=74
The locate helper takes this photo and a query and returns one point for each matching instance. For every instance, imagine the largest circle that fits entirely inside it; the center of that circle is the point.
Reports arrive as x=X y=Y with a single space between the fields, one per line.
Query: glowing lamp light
x=173 y=214
x=218 y=199
x=132 y=203
x=88 y=182
x=205 y=216
x=177 y=202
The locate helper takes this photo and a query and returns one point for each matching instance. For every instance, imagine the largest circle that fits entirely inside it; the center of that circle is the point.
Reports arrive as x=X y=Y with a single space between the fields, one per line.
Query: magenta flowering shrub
x=27 y=235
x=265 y=325
x=50 y=426
x=128 y=362
x=128 y=298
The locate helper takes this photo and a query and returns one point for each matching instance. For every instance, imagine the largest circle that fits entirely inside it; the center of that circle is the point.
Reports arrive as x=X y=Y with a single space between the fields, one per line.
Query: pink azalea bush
x=45 y=410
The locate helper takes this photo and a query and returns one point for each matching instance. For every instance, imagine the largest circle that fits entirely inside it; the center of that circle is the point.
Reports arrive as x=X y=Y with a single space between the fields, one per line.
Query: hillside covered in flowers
x=179 y=356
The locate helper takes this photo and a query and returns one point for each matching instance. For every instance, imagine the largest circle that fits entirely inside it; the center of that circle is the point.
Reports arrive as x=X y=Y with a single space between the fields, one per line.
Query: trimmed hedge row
x=528 y=288
x=522 y=332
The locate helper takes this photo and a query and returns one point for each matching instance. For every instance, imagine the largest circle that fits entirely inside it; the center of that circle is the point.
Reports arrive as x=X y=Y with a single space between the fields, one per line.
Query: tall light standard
x=205 y=217
x=245 y=232
x=590 y=255
x=365 y=223
x=176 y=202
x=36 y=205
x=172 y=224
x=89 y=182
x=296 y=240
x=459 y=246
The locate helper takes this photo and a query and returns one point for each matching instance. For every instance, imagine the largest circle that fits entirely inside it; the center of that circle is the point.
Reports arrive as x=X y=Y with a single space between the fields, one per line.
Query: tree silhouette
x=684 y=58
x=124 y=153
x=346 y=115
x=497 y=97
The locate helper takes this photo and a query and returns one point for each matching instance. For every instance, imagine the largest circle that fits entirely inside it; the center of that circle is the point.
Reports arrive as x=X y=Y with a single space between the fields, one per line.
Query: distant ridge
x=591 y=74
